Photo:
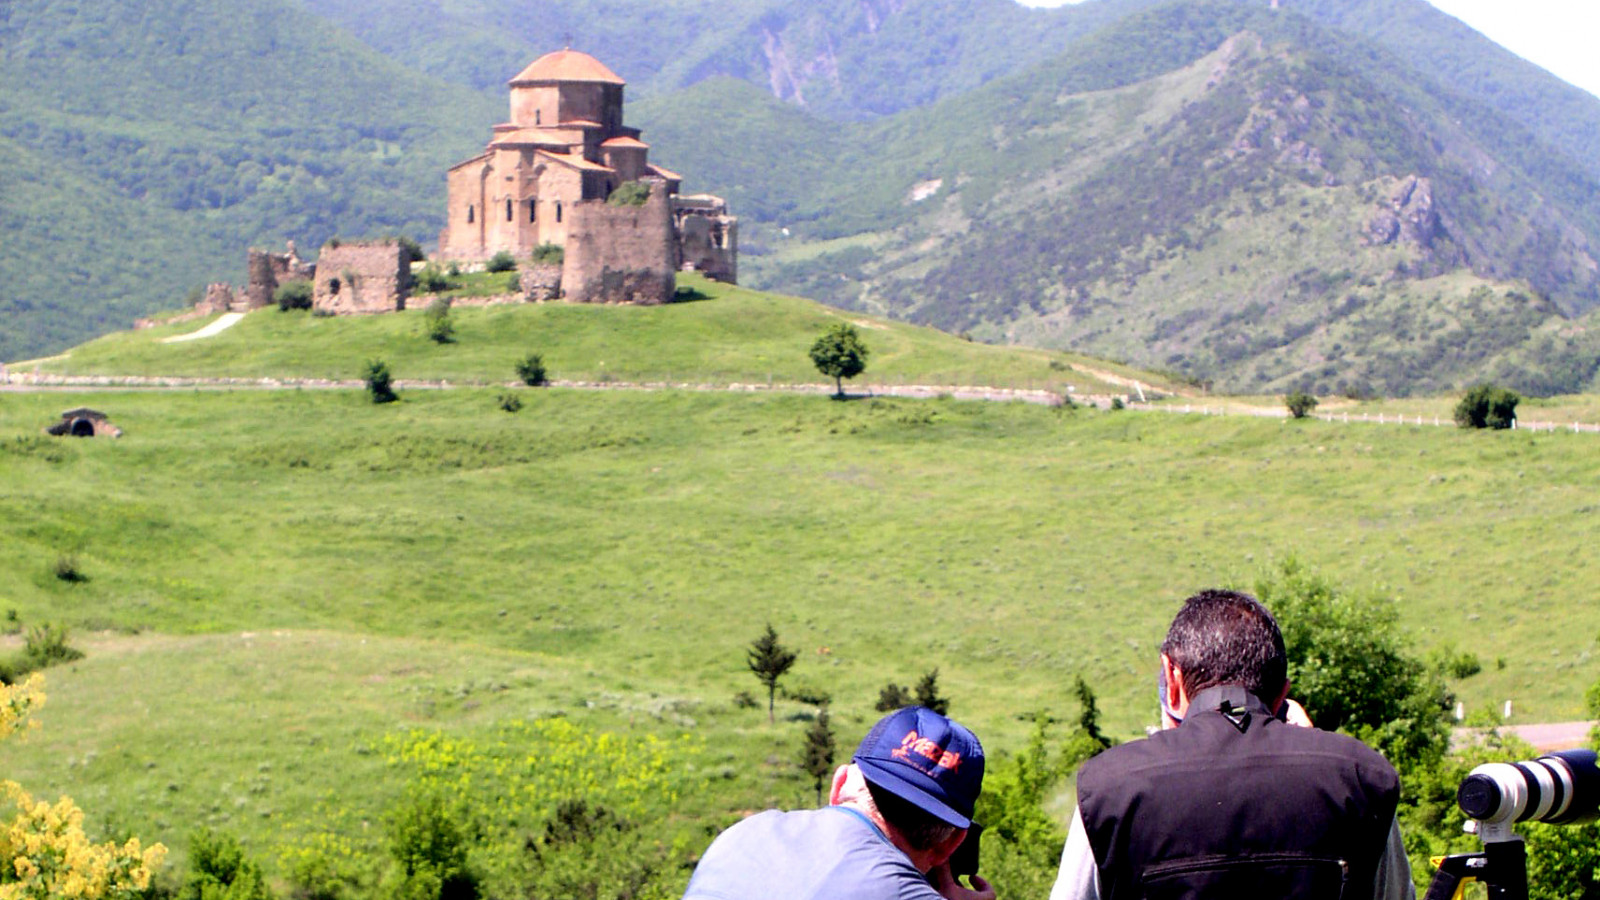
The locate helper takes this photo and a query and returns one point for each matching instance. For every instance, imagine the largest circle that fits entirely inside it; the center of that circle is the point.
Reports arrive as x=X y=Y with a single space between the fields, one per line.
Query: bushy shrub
x=548 y=254
x=514 y=283
x=431 y=280
x=510 y=402
x=502 y=261
x=1116 y=403
x=746 y=700
x=1300 y=404
x=453 y=270
x=630 y=193
x=46 y=645
x=410 y=250
x=441 y=329
x=1487 y=406
x=531 y=370
x=219 y=870
x=430 y=846
x=295 y=294
x=380 y=384
x=67 y=569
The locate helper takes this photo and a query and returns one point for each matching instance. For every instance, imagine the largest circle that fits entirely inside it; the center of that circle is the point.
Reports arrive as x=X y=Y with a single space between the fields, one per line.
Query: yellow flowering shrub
x=44 y=852
x=17 y=703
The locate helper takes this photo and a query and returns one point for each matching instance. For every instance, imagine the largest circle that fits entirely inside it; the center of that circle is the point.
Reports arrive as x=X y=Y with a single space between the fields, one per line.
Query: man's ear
x=1177 y=694
x=836 y=792
x=942 y=851
x=1277 y=702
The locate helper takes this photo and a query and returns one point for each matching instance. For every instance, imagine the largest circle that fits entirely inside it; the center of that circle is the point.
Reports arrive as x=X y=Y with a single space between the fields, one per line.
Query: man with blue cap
x=896 y=814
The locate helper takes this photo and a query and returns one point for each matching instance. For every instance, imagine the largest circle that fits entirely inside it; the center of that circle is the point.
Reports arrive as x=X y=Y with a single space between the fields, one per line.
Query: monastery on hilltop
x=564 y=171
x=562 y=154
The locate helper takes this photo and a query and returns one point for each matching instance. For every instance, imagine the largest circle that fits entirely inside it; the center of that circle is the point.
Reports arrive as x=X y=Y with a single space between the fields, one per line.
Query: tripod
x=1502 y=867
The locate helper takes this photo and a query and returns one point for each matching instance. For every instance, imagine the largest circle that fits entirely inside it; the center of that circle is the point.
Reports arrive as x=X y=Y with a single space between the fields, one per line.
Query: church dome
x=567 y=65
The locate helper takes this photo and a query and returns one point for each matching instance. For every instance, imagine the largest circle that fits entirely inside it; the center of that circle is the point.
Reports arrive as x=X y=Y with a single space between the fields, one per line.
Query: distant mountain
x=149 y=142
x=1243 y=196
x=842 y=59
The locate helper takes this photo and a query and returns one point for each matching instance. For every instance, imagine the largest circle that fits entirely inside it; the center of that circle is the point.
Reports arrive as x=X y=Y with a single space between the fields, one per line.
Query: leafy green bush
x=510 y=402
x=1300 y=404
x=46 y=645
x=502 y=261
x=67 y=569
x=431 y=280
x=219 y=870
x=295 y=294
x=1487 y=406
x=531 y=370
x=548 y=254
x=429 y=844
x=440 y=327
x=380 y=384
x=629 y=193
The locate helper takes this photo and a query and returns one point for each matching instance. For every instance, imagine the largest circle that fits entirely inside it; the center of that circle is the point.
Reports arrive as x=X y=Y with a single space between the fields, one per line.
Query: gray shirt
x=1079 y=878
x=833 y=853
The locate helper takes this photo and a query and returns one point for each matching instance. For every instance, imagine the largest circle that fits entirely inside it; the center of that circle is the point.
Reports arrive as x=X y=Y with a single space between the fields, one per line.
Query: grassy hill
x=278 y=585
x=730 y=335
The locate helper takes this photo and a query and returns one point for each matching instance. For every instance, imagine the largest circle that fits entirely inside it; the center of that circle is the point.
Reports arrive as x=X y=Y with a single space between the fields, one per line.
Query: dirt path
x=29 y=382
x=223 y=323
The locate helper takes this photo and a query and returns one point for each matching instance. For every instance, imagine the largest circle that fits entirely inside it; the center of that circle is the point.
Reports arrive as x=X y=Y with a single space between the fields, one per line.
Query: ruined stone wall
x=708 y=238
x=368 y=277
x=267 y=271
x=621 y=254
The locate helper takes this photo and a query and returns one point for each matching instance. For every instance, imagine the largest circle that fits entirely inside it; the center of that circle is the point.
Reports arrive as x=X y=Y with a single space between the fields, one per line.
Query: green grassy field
x=278 y=581
x=732 y=335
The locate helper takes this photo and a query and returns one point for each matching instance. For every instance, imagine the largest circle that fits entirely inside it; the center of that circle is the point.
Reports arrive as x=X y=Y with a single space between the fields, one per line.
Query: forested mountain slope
x=1241 y=218
x=153 y=140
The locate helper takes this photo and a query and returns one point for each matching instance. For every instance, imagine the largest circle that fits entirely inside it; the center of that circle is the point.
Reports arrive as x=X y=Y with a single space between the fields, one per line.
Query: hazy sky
x=1557 y=35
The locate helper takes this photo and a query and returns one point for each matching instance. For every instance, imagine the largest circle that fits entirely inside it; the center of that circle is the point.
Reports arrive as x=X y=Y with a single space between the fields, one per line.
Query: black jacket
x=1237 y=804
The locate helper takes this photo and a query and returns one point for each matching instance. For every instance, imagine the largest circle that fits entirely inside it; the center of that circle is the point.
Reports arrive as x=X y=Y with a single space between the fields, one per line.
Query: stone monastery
x=547 y=177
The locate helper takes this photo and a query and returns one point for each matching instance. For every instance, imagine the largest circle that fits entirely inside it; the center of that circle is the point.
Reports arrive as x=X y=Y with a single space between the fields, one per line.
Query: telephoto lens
x=1561 y=788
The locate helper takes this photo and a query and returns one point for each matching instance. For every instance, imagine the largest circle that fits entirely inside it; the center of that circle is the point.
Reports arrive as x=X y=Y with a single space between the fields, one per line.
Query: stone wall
x=621 y=254
x=368 y=277
x=708 y=238
x=541 y=283
x=267 y=271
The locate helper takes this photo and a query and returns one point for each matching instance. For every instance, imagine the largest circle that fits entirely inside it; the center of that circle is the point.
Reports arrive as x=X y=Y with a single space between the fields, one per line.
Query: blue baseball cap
x=927 y=760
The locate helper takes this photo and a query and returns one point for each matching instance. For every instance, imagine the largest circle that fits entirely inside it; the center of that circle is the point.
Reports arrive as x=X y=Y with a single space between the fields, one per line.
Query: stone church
x=546 y=174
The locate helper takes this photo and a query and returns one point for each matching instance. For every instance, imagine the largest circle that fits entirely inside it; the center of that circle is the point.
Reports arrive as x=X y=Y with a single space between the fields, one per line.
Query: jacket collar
x=1231 y=701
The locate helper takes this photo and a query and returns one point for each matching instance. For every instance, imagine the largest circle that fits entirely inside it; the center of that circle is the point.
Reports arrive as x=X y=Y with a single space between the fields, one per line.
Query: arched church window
x=510 y=213
x=538 y=117
x=469 y=214
x=533 y=210
x=558 y=210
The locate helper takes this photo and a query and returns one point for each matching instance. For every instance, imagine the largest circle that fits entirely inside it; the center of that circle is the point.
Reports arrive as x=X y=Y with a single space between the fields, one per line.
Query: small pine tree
x=380 y=384
x=1300 y=404
x=839 y=354
x=818 y=750
x=769 y=660
x=531 y=370
x=892 y=697
x=501 y=262
x=928 y=693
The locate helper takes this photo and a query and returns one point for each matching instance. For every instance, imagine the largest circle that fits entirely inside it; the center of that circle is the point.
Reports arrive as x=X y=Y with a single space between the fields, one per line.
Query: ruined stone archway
x=82 y=428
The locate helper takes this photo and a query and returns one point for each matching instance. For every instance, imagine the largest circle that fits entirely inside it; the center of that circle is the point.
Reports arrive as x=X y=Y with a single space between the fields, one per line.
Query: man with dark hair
x=896 y=814
x=1237 y=796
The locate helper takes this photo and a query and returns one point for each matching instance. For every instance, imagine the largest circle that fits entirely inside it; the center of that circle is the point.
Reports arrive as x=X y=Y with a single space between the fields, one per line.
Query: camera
x=965 y=860
x=1561 y=788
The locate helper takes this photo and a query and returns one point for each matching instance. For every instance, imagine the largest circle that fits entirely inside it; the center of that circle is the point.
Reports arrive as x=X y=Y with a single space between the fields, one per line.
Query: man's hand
x=1295 y=714
x=947 y=885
